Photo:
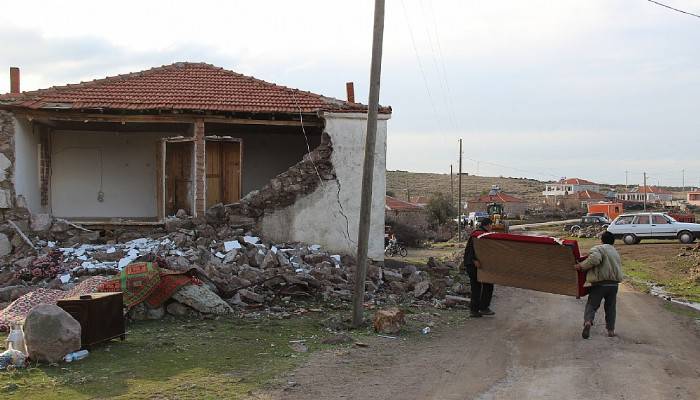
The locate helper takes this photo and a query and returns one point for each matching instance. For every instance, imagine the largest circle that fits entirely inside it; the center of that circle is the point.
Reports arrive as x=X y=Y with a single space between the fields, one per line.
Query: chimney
x=14 y=80
x=349 y=88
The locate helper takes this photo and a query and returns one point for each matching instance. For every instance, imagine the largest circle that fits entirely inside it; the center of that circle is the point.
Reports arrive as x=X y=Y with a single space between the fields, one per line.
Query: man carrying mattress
x=603 y=274
x=481 y=292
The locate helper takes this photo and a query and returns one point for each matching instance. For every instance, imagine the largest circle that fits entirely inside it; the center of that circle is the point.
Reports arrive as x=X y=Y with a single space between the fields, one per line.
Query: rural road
x=532 y=349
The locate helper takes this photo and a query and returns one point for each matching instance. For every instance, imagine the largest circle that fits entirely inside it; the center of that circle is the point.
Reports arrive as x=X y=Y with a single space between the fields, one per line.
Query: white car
x=632 y=228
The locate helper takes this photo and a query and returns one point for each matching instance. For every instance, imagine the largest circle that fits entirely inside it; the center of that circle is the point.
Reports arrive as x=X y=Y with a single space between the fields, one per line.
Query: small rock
x=389 y=320
x=421 y=289
x=178 y=309
x=202 y=299
x=250 y=296
x=299 y=347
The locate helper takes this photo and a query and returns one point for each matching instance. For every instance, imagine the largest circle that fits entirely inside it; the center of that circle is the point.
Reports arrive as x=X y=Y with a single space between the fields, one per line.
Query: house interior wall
x=104 y=174
x=267 y=150
x=26 y=178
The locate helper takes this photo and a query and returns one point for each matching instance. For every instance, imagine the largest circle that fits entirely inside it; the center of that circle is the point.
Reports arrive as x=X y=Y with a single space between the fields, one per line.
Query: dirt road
x=532 y=349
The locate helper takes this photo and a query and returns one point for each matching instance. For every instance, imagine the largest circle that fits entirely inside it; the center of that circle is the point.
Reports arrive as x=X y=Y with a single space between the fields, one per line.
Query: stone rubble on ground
x=243 y=270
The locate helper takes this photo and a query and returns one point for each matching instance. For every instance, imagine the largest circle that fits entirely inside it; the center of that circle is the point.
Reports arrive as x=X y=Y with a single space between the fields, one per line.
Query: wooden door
x=223 y=165
x=178 y=177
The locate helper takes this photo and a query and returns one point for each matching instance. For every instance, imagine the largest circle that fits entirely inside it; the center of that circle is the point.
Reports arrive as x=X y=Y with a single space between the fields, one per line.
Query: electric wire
x=674 y=9
x=306 y=137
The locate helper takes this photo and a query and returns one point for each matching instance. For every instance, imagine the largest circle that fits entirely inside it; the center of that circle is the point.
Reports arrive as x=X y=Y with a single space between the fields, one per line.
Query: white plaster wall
x=330 y=215
x=26 y=178
x=128 y=174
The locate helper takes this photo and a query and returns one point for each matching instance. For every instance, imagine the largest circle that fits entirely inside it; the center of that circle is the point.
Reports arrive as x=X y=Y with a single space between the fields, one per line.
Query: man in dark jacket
x=481 y=292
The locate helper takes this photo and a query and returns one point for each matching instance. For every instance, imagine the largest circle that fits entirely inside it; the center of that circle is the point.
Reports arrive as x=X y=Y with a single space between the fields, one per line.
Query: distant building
x=576 y=200
x=405 y=213
x=568 y=186
x=653 y=194
x=512 y=206
x=694 y=198
x=420 y=201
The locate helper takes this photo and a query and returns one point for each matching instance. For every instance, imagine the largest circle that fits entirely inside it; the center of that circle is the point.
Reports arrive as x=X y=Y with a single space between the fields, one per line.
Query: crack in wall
x=342 y=212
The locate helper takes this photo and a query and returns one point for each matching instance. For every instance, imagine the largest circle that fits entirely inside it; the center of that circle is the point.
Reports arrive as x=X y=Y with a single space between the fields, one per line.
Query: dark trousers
x=481 y=292
x=597 y=294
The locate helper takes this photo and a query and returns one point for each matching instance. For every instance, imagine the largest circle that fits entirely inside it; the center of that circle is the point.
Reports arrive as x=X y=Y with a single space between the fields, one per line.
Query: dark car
x=586 y=221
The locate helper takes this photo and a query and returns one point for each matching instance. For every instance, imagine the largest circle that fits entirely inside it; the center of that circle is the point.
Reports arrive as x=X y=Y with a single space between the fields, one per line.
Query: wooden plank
x=182 y=118
x=215 y=181
x=178 y=177
x=231 y=170
x=536 y=266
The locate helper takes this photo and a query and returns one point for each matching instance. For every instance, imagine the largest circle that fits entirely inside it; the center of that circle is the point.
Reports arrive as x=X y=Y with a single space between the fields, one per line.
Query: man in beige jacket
x=603 y=274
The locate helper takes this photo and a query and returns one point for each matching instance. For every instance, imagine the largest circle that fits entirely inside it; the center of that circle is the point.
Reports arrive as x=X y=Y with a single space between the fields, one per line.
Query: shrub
x=440 y=210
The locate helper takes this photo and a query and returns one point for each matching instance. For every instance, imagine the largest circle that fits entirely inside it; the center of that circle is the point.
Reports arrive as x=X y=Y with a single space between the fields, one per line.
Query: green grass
x=174 y=358
x=674 y=278
x=680 y=310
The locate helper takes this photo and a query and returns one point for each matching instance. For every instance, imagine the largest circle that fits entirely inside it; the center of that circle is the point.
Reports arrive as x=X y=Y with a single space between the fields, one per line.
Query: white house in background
x=569 y=186
x=653 y=195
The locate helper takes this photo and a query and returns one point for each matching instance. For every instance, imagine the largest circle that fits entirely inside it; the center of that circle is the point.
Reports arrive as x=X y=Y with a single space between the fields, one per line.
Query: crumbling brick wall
x=299 y=180
x=7 y=160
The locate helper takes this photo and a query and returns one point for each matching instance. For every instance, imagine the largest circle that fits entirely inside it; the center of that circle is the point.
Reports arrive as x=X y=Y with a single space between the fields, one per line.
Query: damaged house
x=135 y=149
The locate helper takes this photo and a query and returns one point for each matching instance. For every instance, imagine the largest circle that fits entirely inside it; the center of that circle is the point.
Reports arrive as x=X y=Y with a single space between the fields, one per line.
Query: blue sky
x=539 y=88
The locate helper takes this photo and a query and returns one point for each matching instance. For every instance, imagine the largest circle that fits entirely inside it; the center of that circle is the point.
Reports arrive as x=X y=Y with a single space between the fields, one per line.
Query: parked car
x=586 y=221
x=475 y=217
x=632 y=228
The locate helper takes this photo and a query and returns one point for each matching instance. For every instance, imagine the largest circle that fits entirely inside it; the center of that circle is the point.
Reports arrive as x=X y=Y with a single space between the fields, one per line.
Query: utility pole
x=683 y=179
x=368 y=167
x=626 y=176
x=645 y=191
x=459 y=195
x=452 y=187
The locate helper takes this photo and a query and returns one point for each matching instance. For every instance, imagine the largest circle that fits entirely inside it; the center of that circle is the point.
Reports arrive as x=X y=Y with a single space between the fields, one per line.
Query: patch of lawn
x=210 y=359
x=680 y=310
x=674 y=277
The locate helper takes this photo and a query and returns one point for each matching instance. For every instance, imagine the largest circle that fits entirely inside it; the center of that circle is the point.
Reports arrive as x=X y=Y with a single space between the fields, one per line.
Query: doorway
x=223 y=166
x=178 y=177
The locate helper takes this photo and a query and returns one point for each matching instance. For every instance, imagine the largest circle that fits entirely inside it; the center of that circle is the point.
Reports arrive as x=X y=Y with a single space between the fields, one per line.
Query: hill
x=426 y=184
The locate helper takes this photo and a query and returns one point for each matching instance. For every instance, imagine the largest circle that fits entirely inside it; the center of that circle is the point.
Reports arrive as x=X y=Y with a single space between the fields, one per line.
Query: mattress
x=538 y=263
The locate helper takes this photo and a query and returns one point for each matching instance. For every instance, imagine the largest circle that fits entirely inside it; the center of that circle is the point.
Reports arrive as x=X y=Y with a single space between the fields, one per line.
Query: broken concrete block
x=5 y=163
x=202 y=299
x=270 y=261
x=178 y=309
x=5 y=245
x=452 y=301
x=5 y=198
x=251 y=297
x=421 y=289
x=389 y=320
x=40 y=222
x=392 y=276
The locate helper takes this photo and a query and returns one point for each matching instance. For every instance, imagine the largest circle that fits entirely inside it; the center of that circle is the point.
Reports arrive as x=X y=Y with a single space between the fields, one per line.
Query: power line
x=674 y=9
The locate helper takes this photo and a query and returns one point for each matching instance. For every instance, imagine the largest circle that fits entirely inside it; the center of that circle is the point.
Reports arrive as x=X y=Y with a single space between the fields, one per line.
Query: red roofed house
x=406 y=213
x=653 y=194
x=136 y=148
x=512 y=206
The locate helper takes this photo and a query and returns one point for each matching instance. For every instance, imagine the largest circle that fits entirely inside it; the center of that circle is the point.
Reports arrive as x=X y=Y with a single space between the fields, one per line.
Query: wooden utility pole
x=626 y=174
x=452 y=187
x=368 y=167
x=459 y=195
x=645 y=191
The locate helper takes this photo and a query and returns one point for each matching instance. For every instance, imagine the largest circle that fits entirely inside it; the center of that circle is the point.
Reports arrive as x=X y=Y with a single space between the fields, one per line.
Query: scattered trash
x=76 y=356
x=425 y=330
x=12 y=358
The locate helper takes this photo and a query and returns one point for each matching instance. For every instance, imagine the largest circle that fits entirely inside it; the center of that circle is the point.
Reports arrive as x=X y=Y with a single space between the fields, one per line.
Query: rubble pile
x=593 y=231
x=247 y=271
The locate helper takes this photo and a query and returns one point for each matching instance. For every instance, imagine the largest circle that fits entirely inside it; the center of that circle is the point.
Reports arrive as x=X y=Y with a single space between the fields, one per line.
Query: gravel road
x=531 y=349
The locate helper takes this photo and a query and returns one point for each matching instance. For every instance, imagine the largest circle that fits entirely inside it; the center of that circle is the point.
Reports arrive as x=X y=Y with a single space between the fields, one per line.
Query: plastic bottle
x=75 y=356
x=15 y=340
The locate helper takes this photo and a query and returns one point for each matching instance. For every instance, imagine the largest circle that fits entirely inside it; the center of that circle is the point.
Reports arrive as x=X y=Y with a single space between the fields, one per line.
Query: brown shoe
x=611 y=333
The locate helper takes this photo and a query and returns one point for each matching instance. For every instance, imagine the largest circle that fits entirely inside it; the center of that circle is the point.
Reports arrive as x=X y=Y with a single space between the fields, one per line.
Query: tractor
x=497 y=215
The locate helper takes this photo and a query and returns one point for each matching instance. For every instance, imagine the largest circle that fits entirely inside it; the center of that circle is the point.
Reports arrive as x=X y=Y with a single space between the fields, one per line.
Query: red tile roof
x=651 y=189
x=184 y=87
x=576 y=181
x=590 y=195
x=500 y=197
x=394 y=204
